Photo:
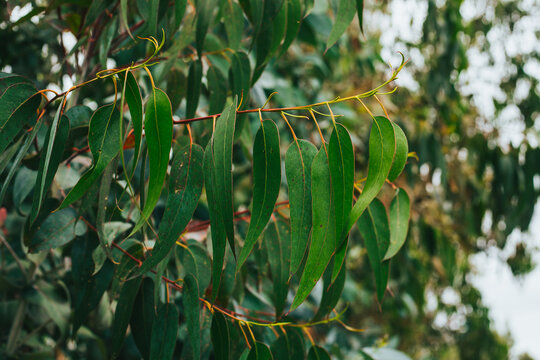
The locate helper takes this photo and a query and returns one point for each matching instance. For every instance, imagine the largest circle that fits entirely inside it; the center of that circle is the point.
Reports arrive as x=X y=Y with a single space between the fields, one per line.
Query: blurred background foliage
x=468 y=85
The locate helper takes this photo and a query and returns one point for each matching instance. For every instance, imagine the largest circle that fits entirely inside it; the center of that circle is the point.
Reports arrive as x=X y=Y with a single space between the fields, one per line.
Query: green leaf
x=142 y=317
x=331 y=292
x=373 y=226
x=318 y=353
x=158 y=128
x=164 y=331
x=192 y=312
x=193 y=88
x=323 y=237
x=195 y=261
x=179 y=11
x=400 y=209
x=205 y=9
x=298 y=160
x=233 y=19
x=382 y=147
x=219 y=240
x=344 y=16
x=58 y=229
x=240 y=77
x=105 y=41
x=176 y=87
x=105 y=238
x=54 y=144
x=185 y=188
x=260 y=351
x=134 y=102
x=222 y=152
x=103 y=143
x=294 y=19
x=289 y=346
x=23 y=185
x=360 y=11
x=341 y=162
x=18 y=105
x=122 y=314
x=220 y=337
x=217 y=88
x=278 y=246
x=402 y=150
x=266 y=183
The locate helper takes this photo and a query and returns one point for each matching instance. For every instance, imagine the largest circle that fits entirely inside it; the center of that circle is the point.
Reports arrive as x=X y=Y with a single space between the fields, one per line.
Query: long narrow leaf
x=192 y=313
x=164 y=332
x=400 y=209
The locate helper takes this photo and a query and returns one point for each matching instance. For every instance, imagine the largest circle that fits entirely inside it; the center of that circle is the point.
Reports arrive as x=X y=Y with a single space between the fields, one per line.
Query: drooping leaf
x=179 y=11
x=360 y=11
x=294 y=19
x=260 y=351
x=217 y=87
x=193 y=88
x=176 y=87
x=54 y=144
x=164 y=331
x=23 y=185
x=318 y=353
x=185 y=188
x=277 y=240
x=289 y=346
x=222 y=146
x=191 y=308
x=400 y=209
x=234 y=23
x=205 y=9
x=341 y=162
x=373 y=226
x=58 y=229
x=158 y=128
x=18 y=105
x=219 y=239
x=331 y=292
x=220 y=337
x=105 y=41
x=142 y=317
x=298 y=160
x=382 y=146
x=240 y=77
x=195 y=261
x=345 y=14
x=323 y=236
x=134 y=102
x=103 y=143
x=266 y=183
x=122 y=314
x=400 y=158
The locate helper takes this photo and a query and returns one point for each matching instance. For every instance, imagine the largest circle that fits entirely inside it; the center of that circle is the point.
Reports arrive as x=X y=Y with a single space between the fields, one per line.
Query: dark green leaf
x=233 y=19
x=185 y=188
x=331 y=292
x=158 y=129
x=318 y=353
x=217 y=88
x=294 y=19
x=142 y=317
x=344 y=16
x=192 y=311
x=382 y=147
x=289 y=346
x=134 y=101
x=18 y=105
x=105 y=40
x=193 y=88
x=298 y=161
x=219 y=240
x=360 y=11
x=222 y=146
x=220 y=337
x=122 y=314
x=266 y=183
x=205 y=9
x=195 y=261
x=341 y=162
x=240 y=77
x=164 y=331
x=176 y=87
x=400 y=209
x=58 y=229
x=103 y=142
x=54 y=144
x=402 y=150
x=278 y=246
x=260 y=351
x=323 y=237
x=179 y=11
x=373 y=226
